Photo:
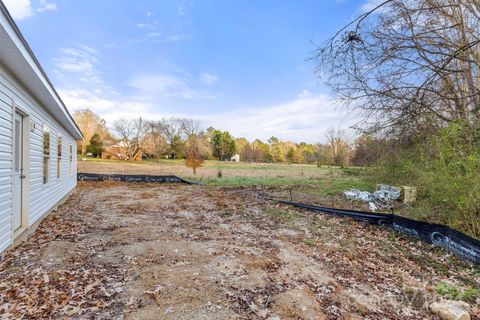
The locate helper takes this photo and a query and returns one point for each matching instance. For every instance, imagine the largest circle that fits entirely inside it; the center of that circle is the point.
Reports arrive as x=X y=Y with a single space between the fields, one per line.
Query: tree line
x=177 y=138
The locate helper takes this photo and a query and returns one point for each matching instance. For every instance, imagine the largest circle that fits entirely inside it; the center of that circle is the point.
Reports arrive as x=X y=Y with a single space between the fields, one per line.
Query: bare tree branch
x=414 y=63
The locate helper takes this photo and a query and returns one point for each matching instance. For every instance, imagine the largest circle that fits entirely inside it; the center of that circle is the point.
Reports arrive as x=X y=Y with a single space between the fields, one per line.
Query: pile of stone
x=383 y=196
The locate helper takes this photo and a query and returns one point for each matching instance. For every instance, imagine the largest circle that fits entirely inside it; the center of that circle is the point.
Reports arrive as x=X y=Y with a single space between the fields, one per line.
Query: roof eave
x=76 y=132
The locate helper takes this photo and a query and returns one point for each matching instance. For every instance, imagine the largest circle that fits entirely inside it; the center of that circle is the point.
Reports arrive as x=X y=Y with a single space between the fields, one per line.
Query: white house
x=37 y=138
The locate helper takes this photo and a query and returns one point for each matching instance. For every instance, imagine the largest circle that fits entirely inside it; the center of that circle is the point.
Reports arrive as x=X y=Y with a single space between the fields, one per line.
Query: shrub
x=446 y=169
x=193 y=157
x=449 y=291
x=446 y=290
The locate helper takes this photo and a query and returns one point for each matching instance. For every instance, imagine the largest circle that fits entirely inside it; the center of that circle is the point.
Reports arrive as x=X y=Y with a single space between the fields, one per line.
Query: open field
x=150 y=251
x=309 y=184
x=303 y=183
x=329 y=180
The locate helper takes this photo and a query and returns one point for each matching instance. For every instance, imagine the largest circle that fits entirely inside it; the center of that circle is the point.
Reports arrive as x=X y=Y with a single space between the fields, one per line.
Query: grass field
x=302 y=183
x=320 y=180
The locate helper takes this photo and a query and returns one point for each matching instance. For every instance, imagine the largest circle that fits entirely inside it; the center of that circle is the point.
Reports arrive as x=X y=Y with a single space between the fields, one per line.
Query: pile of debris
x=382 y=197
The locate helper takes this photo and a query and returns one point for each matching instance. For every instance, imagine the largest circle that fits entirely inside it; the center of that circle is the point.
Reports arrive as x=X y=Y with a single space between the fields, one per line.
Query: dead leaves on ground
x=355 y=254
x=31 y=289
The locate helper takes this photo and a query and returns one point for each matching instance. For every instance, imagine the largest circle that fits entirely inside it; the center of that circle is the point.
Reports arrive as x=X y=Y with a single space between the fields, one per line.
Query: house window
x=59 y=156
x=71 y=158
x=46 y=154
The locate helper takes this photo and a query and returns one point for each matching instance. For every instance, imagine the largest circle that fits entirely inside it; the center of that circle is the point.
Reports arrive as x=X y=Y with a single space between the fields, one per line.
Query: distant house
x=38 y=138
x=119 y=151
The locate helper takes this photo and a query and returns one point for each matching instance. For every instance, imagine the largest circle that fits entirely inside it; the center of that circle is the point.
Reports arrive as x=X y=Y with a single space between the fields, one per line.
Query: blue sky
x=241 y=66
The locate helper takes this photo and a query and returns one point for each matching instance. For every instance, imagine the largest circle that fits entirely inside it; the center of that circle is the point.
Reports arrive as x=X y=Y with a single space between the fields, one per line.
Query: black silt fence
x=454 y=241
x=132 y=178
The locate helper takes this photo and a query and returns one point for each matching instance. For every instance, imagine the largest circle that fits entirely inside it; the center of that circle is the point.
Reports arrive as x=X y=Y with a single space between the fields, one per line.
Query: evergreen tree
x=291 y=155
x=95 y=145
x=223 y=145
x=177 y=147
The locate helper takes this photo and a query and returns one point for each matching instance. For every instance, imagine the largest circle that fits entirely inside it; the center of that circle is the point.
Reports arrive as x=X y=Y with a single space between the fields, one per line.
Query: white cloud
x=77 y=68
x=110 y=108
x=180 y=11
x=166 y=85
x=208 y=78
x=82 y=86
x=302 y=119
x=142 y=25
x=23 y=9
x=159 y=37
x=156 y=83
x=305 y=94
x=151 y=33
x=176 y=38
x=46 y=6
x=369 y=5
x=305 y=117
x=19 y=9
x=81 y=61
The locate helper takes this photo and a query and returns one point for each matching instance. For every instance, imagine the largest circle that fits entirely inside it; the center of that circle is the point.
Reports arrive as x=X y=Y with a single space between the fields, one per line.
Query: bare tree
x=323 y=154
x=338 y=145
x=258 y=150
x=176 y=129
x=190 y=127
x=90 y=123
x=408 y=65
x=368 y=150
x=154 y=142
x=131 y=134
x=171 y=129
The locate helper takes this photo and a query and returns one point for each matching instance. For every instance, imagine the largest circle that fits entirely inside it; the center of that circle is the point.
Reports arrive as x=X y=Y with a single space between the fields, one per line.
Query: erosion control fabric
x=449 y=239
x=132 y=178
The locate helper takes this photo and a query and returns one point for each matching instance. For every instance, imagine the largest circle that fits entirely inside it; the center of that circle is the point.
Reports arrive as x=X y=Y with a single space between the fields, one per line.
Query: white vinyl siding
x=41 y=197
x=6 y=150
x=70 y=159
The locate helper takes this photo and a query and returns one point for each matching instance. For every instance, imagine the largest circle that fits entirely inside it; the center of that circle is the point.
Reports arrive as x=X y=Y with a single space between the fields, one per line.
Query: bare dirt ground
x=138 y=251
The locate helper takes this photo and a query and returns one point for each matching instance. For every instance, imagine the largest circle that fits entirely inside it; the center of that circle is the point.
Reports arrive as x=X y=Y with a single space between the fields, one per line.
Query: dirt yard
x=137 y=251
